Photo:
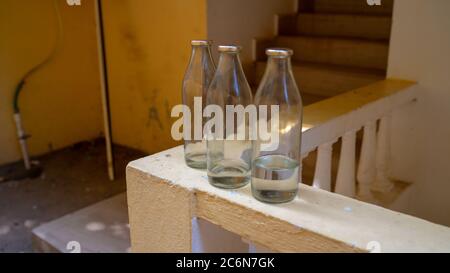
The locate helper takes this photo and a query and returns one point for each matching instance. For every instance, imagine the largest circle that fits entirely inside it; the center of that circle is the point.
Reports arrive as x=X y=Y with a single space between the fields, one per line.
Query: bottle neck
x=280 y=66
x=201 y=56
x=229 y=61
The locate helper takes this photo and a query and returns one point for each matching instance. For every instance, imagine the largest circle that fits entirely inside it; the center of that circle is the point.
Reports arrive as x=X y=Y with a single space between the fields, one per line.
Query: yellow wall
x=148 y=48
x=61 y=103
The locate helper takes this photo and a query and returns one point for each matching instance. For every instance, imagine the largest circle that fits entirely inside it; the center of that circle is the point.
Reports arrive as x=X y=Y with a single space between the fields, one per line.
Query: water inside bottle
x=275 y=178
x=229 y=163
x=195 y=154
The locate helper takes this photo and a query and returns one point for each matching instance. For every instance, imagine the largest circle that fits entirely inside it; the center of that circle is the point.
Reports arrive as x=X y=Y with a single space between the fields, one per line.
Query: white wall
x=239 y=21
x=420 y=51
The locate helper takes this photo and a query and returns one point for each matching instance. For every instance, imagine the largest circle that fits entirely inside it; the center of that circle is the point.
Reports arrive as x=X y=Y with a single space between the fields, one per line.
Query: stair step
x=347 y=6
x=336 y=25
x=308 y=99
x=348 y=52
x=99 y=228
x=322 y=81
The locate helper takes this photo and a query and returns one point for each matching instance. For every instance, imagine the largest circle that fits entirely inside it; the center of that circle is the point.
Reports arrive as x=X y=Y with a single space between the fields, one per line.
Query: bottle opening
x=279 y=52
x=201 y=42
x=230 y=48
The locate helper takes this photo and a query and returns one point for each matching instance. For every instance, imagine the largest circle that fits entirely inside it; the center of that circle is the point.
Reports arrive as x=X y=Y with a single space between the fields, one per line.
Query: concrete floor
x=73 y=178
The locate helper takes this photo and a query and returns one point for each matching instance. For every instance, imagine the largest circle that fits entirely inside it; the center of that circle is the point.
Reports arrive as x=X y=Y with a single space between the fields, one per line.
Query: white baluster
x=322 y=173
x=345 y=181
x=366 y=169
x=382 y=182
x=302 y=157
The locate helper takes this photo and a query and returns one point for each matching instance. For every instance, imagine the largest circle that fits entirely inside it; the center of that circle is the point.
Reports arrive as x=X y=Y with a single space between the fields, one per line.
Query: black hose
x=16 y=96
x=21 y=83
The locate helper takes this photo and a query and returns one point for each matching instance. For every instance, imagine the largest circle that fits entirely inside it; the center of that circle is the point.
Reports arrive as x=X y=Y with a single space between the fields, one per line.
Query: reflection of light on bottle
x=288 y=128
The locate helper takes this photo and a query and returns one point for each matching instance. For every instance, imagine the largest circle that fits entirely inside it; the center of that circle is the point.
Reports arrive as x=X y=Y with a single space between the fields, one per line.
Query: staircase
x=338 y=45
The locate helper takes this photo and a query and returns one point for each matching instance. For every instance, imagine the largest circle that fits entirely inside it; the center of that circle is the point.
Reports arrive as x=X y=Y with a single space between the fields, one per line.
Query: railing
x=340 y=118
x=173 y=208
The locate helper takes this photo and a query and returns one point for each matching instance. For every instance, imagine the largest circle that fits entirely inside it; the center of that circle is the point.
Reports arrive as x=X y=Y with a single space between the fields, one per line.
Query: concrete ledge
x=166 y=194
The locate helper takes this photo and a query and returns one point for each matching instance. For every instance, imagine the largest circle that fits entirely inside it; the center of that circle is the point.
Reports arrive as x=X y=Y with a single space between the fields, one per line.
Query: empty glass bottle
x=275 y=168
x=195 y=85
x=229 y=156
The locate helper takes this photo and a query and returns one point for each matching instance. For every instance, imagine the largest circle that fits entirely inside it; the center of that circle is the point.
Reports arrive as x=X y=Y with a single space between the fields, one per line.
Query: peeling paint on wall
x=148 y=48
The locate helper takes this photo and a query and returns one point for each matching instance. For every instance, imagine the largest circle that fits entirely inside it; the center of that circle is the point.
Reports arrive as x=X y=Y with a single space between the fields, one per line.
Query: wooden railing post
x=366 y=168
x=345 y=181
x=382 y=182
x=322 y=173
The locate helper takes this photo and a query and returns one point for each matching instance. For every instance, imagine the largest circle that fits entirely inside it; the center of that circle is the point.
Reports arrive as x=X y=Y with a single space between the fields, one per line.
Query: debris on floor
x=72 y=179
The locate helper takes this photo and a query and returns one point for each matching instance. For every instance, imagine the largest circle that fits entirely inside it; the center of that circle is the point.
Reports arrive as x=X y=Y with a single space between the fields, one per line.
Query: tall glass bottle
x=229 y=156
x=195 y=85
x=275 y=168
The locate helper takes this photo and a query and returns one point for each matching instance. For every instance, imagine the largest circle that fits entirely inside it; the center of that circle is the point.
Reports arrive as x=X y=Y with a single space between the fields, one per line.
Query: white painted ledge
x=164 y=195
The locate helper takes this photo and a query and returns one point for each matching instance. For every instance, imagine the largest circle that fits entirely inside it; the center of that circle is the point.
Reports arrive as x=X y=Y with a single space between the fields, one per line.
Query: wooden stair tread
x=325 y=81
x=336 y=25
x=339 y=51
x=341 y=68
x=349 y=6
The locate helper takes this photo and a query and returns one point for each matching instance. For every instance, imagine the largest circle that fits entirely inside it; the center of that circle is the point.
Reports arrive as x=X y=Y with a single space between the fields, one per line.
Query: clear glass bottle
x=196 y=81
x=229 y=157
x=275 y=169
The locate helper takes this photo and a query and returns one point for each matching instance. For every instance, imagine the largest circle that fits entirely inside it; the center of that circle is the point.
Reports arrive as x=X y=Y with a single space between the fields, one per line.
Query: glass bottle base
x=196 y=161
x=275 y=178
x=274 y=197
x=229 y=182
x=229 y=174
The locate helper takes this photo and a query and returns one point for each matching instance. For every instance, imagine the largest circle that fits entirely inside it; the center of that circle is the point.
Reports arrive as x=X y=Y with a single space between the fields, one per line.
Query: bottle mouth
x=230 y=48
x=201 y=42
x=279 y=52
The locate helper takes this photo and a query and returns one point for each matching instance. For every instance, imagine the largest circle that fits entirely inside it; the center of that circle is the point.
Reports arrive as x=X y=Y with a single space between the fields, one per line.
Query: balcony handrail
x=165 y=196
x=340 y=117
x=326 y=120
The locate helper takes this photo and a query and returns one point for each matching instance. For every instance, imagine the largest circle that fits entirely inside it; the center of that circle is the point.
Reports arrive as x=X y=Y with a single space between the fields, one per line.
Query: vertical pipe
x=104 y=87
x=22 y=140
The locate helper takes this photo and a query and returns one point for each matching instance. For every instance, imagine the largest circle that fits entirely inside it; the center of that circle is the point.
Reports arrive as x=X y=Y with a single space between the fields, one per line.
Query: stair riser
x=347 y=6
x=324 y=82
x=357 y=53
x=349 y=26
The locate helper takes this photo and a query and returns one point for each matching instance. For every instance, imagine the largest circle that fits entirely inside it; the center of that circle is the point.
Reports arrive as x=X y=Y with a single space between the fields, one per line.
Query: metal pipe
x=104 y=88
x=22 y=136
